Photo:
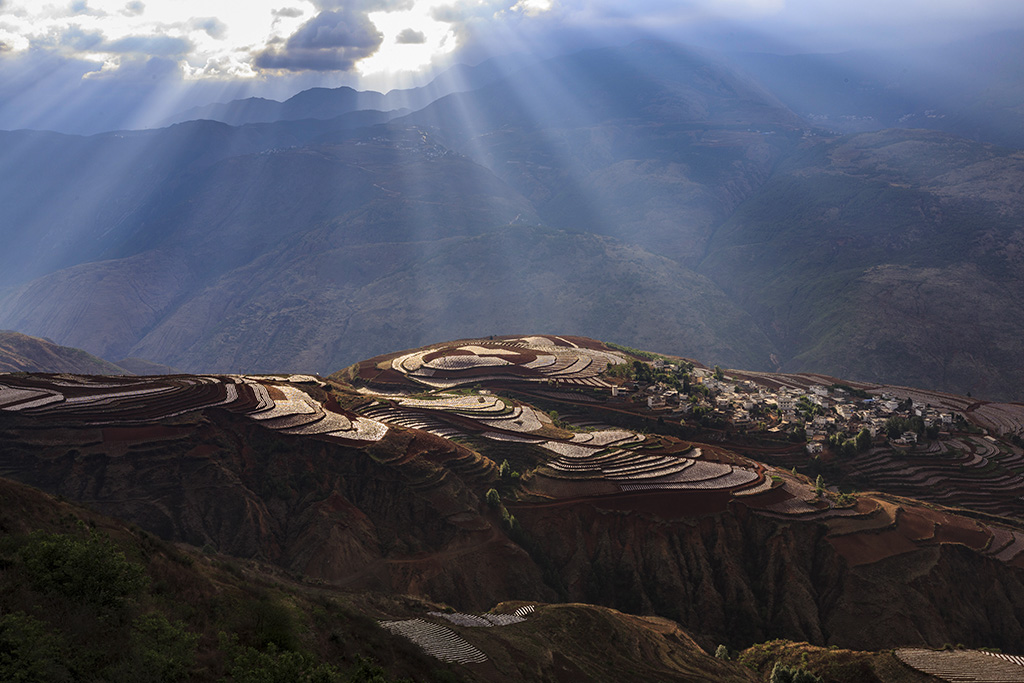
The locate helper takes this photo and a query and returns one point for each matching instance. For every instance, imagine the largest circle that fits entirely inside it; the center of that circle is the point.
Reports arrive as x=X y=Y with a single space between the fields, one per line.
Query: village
x=822 y=416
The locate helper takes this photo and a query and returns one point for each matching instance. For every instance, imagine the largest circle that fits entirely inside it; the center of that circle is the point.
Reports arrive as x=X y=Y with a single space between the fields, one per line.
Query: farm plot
x=529 y=359
x=436 y=640
x=962 y=665
x=1000 y=418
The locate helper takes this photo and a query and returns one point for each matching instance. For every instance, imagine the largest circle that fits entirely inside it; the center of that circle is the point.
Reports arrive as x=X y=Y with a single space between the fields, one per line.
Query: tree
x=722 y=652
x=792 y=674
x=863 y=440
x=493 y=498
x=819 y=484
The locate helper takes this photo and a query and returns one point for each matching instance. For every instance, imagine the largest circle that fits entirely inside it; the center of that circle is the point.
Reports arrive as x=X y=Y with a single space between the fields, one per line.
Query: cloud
x=214 y=27
x=82 y=7
x=134 y=8
x=333 y=40
x=80 y=40
x=410 y=36
x=290 y=12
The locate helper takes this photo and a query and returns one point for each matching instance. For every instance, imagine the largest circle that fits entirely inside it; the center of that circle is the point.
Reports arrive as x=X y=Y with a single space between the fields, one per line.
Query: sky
x=88 y=65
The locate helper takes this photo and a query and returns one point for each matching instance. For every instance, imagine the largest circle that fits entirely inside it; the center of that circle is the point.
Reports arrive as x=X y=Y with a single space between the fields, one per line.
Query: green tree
x=863 y=440
x=722 y=652
x=493 y=498
x=91 y=571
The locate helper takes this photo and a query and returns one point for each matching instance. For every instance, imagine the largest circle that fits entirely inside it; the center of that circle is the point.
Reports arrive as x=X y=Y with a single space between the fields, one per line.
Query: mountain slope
x=650 y=143
x=22 y=353
x=886 y=255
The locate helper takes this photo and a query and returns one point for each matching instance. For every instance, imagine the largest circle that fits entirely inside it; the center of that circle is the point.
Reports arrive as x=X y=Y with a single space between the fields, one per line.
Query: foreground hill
x=22 y=353
x=87 y=597
x=399 y=476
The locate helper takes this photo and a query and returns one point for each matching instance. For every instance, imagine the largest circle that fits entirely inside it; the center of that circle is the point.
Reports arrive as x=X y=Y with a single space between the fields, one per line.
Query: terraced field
x=538 y=359
x=963 y=665
x=975 y=472
x=272 y=402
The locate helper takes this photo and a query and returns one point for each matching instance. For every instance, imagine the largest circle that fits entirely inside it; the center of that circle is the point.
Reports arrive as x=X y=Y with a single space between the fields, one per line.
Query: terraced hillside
x=537 y=468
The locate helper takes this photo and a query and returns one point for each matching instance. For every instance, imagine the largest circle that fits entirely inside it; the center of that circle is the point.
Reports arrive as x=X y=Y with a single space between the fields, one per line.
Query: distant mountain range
x=651 y=194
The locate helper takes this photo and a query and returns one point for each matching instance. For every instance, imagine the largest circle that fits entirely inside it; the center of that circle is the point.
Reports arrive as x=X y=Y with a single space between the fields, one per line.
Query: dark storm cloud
x=410 y=36
x=333 y=40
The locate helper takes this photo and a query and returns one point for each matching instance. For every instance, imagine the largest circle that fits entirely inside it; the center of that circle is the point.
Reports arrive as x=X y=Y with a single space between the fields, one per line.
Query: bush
x=165 y=650
x=28 y=652
x=249 y=665
x=91 y=571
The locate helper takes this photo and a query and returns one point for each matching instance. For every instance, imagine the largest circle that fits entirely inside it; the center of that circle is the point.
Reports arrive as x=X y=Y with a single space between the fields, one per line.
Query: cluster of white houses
x=818 y=410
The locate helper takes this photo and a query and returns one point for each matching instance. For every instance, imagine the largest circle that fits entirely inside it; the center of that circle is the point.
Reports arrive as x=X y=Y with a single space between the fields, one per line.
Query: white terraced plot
x=329 y=422
x=488 y=351
x=455 y=403
x=436 y=640
x=760 y=488
x=297 y=402
x=962 y=665
x=523 y=611
x=729 y=479
x=1014 y=659
x=515 y=438
x=523 y=419
x=604 y=437
x=541 y=361
x=570 y=450
x=464 y=362
x=14 y=398
x=411 y=419
x=482 y=620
